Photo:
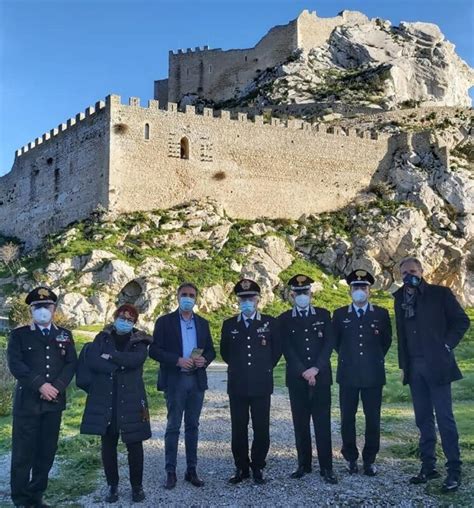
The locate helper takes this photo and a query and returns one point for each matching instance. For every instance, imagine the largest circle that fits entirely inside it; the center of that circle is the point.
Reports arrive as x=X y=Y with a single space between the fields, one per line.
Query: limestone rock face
x=369 y=62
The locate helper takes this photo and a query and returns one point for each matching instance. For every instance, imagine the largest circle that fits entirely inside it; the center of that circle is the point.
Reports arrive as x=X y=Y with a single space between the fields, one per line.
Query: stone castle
x=216 y=75
x=125 y=158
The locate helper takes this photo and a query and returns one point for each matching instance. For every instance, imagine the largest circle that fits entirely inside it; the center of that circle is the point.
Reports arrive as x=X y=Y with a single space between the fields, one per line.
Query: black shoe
x=423 y=477
x=328 y=476
x=352 y=467
x=451 y=483
x=112 y=494
x=300 y=472
x=192 y=477
x=170 y=481
x=137 y=494
x=370 y=469
x=239 y=475
x=258 y=476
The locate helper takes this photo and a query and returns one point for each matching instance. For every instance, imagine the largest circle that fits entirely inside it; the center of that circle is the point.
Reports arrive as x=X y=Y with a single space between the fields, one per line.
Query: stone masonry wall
x=253 y=169
x=57 y=179
x=218 y=75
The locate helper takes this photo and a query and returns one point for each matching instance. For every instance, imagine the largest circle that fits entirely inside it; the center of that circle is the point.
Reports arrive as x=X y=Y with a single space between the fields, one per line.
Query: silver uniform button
x=306 y=340
x=47 y=357
x=47 y=347
x=309 y=357
x=360 y=326
x=307 y=349
x=250 y=363
x=360 y=335
x=249 y=346
x=250 y=354
x=361 y=353
x=305 y=329
x=47 y=366
x=47 y=375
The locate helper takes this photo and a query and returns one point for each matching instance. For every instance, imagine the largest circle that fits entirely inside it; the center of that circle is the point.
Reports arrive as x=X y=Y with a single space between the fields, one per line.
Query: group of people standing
x=429 y=320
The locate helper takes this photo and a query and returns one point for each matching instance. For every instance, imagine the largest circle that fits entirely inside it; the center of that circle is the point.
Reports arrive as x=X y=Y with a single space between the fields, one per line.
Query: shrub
x=19 y=313
x=120 y=128
x=7 y=383
x=220 y=175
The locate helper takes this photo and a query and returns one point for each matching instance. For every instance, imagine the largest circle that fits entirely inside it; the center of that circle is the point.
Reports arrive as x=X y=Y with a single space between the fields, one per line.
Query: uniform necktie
x=45 y=332
x=303 y=313
x=360 y=312
x=248 y=322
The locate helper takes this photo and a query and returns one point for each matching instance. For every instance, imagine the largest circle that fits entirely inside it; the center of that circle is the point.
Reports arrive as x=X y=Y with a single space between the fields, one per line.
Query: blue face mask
x=302 y=301
x=247 y=307
x=186 y=303
x=123 y=326
x=411 y=280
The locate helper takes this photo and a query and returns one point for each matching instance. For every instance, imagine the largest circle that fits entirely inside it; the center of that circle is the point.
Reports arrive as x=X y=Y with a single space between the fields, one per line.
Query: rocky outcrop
x=369 y=62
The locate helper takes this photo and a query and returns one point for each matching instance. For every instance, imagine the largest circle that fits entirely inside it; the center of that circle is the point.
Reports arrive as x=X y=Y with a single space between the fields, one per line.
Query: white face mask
x=42 y=316
x=359 y=296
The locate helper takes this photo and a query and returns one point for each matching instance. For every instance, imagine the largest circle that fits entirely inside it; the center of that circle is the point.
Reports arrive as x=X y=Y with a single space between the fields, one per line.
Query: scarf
x=409 y=303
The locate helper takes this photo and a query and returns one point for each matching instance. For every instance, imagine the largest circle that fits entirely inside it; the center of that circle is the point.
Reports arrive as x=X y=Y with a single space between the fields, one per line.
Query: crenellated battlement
x=256 y=120
x=218 y=115
x=197 y=49
x=62 y=127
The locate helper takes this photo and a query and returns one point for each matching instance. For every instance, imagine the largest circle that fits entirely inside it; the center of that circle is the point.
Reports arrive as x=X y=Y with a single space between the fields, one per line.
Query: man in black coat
x=363 y=334
x=42 y=358
x=430 y=324
x=308 y=341
x=250 y=345
x=182 y=343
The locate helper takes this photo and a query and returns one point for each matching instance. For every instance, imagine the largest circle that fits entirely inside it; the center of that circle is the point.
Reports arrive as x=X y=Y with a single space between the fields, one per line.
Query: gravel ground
x=216 y=465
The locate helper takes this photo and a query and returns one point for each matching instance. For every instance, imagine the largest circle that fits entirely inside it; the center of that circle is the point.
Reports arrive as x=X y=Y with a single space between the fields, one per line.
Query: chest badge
x=320 y=334
x=264 y=342
x=346 y=321
x=234 y=332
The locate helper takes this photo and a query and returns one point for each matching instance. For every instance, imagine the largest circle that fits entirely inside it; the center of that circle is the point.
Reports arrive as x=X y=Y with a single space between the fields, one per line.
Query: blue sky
x=59 y=56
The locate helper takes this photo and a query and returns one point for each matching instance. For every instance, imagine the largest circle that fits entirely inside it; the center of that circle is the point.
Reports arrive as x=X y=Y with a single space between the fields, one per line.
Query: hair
x=410 y=259
x=187 y=285
x=127 y=307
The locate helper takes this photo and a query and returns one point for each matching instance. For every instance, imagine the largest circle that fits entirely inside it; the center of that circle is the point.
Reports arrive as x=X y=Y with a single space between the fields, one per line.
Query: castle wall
x=217 y=75
x=57 y=179
x=253 y=169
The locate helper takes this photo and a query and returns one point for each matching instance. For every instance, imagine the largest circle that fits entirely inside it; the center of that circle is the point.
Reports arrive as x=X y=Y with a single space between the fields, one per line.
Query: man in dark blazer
x=308 y=341
x=363 y=334
x=250 y=345
x=430 y=324
x=42 y=358
x=182 y=343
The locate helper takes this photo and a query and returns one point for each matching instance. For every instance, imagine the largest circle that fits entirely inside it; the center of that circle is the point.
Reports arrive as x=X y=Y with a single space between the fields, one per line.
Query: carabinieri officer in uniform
x=308 y=341
x=363 y=334
x=251 y=347
x=42 y=358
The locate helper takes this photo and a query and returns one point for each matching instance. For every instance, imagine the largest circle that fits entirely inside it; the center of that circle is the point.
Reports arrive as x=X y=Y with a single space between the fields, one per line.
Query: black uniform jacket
x=362 y=344
x=307 y=342
x=251 y=354
x=33 y=360
x=440 y=321
x=167 y=348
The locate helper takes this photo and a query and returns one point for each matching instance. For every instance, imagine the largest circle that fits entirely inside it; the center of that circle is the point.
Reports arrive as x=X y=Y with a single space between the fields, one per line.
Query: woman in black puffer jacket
x=116 y=401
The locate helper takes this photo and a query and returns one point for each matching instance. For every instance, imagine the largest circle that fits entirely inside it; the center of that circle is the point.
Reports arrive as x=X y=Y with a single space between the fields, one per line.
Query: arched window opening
x=184 y=148
x=147 y=131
